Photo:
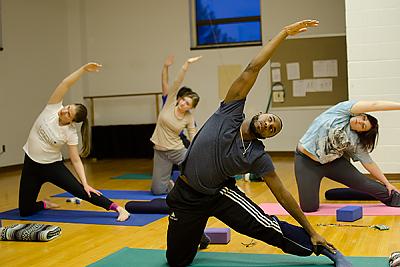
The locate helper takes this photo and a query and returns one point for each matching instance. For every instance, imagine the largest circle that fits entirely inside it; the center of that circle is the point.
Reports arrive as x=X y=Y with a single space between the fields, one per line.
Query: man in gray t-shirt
x=226 y=145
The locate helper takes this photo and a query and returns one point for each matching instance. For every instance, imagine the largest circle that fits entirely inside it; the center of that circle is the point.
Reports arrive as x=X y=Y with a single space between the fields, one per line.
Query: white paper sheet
x=293 y=71
x=325 y=68
x=299 y=89
x=276 y=75
x=275 y=65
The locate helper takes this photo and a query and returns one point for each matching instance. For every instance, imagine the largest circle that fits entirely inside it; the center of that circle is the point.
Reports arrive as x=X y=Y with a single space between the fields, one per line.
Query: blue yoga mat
x=82 y=216
x=156 y=258
x=122 y=194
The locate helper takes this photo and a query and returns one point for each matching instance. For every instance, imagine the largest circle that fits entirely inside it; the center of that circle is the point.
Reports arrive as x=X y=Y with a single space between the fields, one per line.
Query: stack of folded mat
x=29 y=232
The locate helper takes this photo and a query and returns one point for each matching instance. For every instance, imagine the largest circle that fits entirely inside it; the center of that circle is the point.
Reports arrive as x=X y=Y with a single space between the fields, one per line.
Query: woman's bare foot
x=49 y=204
x=123 y=214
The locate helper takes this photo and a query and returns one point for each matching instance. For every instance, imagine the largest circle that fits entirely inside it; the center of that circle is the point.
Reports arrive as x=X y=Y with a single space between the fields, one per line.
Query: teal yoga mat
x=156 y=258
x=133 y=176
x=148 y=176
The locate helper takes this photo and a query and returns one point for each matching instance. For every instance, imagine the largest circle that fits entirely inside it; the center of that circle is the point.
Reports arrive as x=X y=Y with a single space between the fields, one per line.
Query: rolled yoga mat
x=347 y=194
x=154 y=206
x=122 y=194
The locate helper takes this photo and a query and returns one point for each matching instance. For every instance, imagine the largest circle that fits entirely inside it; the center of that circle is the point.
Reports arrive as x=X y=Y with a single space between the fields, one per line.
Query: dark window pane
x=229 y=33
x=219 y=9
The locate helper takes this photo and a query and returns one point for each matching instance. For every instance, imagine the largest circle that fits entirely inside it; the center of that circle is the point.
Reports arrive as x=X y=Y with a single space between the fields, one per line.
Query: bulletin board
x=304 y=52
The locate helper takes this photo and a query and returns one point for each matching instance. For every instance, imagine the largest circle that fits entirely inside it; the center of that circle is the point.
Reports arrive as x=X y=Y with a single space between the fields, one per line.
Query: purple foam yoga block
x=349 y=213
x=218 y=235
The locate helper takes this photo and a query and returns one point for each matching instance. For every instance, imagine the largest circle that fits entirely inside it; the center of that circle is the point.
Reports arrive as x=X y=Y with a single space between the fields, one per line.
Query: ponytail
x=85 y=139
x=81 y=116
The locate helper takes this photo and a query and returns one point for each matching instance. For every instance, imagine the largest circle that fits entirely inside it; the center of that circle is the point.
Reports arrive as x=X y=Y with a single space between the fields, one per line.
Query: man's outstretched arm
x=290 y=205
x=242 y=85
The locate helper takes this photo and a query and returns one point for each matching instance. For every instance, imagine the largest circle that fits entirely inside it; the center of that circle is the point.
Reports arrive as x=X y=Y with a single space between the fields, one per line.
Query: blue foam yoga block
x=349 y=213
x=218 y=235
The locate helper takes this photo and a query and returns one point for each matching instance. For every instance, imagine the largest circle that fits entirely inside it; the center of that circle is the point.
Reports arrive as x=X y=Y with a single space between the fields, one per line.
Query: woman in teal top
x=342 y=132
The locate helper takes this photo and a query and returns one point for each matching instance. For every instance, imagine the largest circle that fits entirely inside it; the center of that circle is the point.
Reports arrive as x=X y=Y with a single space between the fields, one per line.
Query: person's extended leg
x=308 y=176
x=240 y=213
x=187 y=221
x=29 y=188
x=58 y=174
x=162 y=166
x=237 y=211
x=342 y=171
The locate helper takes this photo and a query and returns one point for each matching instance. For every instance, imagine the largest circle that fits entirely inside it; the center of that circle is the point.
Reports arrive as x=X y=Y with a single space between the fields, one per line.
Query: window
x=225 y=23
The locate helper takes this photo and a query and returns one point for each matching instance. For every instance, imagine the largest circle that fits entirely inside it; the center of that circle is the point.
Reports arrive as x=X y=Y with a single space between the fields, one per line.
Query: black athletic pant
x=309 y=174
x=190 y=211
x=34 y=175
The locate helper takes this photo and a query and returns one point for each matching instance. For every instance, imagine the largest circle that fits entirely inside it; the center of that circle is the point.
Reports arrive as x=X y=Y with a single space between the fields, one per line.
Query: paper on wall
x=275 y=65
x=276 y=75
x=325 y=68
x=299 y=88
x=293 y=71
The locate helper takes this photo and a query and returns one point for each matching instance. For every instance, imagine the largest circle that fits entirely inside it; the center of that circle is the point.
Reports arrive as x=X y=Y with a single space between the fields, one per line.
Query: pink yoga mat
x=330 y=209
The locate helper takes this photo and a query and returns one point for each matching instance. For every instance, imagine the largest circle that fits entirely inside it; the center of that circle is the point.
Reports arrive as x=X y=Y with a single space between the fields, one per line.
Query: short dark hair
x=183 y=90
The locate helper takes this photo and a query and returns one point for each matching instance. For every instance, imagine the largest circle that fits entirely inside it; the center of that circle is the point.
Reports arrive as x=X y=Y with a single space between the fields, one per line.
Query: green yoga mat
x=133 y=176
x=156 y=258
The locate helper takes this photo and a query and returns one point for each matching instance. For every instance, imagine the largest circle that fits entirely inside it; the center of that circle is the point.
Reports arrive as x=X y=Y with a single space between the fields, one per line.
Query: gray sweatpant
x=309 y=174
x=162 y=167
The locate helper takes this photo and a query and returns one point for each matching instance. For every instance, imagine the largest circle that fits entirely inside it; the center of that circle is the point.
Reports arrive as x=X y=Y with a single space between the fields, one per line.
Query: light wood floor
x=81 y=244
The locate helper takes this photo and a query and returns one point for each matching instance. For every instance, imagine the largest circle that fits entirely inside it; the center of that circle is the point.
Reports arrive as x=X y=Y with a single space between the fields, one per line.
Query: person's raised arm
x=64 y=86
x=371 y=106
x=242 y=85
x=290 y=205
x=179 y=79
x=164 y=74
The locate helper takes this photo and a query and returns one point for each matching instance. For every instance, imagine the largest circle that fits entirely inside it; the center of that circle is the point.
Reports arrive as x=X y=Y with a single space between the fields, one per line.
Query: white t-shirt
x=47 y=137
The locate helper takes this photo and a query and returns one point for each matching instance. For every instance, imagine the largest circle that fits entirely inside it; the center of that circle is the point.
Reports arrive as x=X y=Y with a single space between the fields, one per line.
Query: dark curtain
x=122 y=141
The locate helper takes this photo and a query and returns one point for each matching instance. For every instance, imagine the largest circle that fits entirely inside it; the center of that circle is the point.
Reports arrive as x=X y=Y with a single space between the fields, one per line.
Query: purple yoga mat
x=330 y=209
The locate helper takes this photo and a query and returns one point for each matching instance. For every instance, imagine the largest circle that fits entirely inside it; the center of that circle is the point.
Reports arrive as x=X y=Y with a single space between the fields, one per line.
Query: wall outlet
x=278 y=96
x=3 y=148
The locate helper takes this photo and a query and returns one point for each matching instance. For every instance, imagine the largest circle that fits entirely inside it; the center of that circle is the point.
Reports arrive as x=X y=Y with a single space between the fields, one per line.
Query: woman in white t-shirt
x=43 y=162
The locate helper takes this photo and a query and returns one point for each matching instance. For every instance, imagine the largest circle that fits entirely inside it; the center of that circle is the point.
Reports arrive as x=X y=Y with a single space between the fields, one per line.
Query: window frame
x=194 y=24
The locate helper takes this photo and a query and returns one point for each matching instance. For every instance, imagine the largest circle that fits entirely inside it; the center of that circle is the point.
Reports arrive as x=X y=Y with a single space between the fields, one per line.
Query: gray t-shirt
x=216 y=153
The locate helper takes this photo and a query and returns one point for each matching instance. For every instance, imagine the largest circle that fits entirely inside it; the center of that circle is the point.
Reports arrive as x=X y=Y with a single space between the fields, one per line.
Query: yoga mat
x=330 y=209
x=133 y=176
x=122 y=194
x=81 y=216
x=156 y=258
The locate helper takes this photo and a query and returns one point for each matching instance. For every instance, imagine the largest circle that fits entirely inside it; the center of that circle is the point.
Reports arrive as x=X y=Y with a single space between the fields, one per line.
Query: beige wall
x=45 y=40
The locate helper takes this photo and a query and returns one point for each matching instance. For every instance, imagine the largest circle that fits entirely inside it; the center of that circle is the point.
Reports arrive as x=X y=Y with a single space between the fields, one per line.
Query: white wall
x=373 y=42
x=133 y=45
x=45 y=40
x=34 y=60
